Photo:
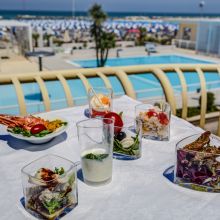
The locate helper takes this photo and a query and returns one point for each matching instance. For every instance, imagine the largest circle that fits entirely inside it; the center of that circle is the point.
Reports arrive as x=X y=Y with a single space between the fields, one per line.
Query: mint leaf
x=98 y=157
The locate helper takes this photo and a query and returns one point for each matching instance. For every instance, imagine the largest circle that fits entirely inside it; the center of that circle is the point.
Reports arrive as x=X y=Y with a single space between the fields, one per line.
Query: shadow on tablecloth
x=17 y=144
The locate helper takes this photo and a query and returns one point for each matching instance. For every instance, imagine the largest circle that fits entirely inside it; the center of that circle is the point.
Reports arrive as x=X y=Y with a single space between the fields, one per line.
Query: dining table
x=138 y=190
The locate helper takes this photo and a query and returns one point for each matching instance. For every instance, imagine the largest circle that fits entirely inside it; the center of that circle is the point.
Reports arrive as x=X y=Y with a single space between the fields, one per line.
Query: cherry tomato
x=118 y=123
x=151 y=113
x=37 y=128
x=163 y=118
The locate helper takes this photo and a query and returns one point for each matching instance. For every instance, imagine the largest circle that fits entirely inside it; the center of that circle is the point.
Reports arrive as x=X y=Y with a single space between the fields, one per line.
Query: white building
x=19 y=33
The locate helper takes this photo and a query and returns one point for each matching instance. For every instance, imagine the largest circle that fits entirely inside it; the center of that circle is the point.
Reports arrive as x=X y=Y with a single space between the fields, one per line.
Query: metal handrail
x=122 y=73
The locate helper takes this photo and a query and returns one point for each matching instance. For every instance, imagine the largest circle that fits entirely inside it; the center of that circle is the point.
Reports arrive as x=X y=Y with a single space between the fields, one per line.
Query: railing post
x=105 y=79
x=218 y=131
x=66 y=88
x=85 y=81
x=203 y=97
x=20 y=95
x=167 y=88
x=43 y=88
x=126 y=83
x=184 y=92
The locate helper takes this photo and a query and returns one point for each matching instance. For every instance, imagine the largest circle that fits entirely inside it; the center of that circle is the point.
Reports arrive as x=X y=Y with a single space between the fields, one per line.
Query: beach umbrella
x=136 y=31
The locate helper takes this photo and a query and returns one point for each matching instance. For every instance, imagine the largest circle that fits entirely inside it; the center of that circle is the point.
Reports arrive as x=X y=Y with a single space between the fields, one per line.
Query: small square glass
x=127 y=140
x=197 y=162
x=50 y=187
x=155 y=120
x=100 y=101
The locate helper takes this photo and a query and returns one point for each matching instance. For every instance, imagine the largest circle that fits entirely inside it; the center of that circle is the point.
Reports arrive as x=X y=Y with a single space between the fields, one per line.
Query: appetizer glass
x=127 y=141
x=100 y=101
x=155 y=120
x=196 y=167
x=50 y=187
x=96 y=144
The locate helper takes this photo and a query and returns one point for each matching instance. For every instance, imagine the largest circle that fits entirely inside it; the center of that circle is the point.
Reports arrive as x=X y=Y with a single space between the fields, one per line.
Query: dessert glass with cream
x=100 y=101
x=95 y=137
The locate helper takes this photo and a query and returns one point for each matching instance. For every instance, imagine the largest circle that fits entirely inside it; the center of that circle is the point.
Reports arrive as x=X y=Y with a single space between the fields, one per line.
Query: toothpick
x=100 y=102
x=98 y=99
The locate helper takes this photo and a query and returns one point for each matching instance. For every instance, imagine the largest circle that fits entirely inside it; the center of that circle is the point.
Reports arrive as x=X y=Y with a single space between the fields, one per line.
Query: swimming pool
x=145 y=85
x=129 y=61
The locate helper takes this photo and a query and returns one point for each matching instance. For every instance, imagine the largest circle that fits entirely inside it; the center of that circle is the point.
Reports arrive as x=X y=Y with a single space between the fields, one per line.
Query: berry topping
x=120 y=136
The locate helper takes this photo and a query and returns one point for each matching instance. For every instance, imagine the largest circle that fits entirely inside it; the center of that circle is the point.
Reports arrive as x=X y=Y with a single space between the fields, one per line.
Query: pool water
x=145 y=85
x=129 y=61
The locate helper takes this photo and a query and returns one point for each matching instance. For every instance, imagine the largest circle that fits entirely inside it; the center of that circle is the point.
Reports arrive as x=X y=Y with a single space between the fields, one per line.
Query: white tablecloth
x=138 y=189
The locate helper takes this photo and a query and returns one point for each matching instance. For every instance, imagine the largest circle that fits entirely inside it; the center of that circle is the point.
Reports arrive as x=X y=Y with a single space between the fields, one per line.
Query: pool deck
x=18 y=64
x=60 y=60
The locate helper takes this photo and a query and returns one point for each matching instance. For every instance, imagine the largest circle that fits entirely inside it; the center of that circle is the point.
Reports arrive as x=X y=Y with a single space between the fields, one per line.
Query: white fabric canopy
x=138 y=190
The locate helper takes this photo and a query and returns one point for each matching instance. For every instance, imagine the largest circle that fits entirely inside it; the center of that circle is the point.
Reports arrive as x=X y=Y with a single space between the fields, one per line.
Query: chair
x=150 y=48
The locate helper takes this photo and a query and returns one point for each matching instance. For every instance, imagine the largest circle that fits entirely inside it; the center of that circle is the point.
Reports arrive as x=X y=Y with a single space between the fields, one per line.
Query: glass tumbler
x=96 y=143
x=100 y=101
x=155 y=120
x=50 y=187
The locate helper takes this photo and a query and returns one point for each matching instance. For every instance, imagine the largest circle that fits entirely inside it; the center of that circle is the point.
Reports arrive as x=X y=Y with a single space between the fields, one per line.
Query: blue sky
x=212 y=6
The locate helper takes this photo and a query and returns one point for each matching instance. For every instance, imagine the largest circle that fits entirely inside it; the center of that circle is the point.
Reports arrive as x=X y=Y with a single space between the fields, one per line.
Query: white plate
x=48 y=137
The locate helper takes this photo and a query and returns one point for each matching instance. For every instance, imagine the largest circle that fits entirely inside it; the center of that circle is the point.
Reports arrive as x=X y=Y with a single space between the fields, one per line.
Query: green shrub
x=165 y=41
x=85 y=44
x=210 y=101
x=193 y=111
x=152 y=39
x=58 y=42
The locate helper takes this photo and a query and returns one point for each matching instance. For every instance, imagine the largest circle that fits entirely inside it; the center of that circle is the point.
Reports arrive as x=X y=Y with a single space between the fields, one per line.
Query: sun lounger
x=150 y=48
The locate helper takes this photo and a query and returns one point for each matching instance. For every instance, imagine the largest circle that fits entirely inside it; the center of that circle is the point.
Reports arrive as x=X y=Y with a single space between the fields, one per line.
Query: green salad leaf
x=71 y=179
x=42 y=133
x=19 y=130
x=26 y=133
x=52 y=205
x=64 y=123
x=134 y=149
x=59 y=171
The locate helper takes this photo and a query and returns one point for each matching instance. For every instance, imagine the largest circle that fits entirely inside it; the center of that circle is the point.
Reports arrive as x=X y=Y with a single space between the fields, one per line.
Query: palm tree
x=35 y=36
x=142 y=36
x=103 y=40
x=107 y=42
x=47 y=38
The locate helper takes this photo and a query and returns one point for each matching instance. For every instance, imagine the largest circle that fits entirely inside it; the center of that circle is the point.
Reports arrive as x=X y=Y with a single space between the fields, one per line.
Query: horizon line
x=123 y=12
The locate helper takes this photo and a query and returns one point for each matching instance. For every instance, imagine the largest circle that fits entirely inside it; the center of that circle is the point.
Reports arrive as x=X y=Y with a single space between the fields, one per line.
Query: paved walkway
x=60 y=60
x=18 y=64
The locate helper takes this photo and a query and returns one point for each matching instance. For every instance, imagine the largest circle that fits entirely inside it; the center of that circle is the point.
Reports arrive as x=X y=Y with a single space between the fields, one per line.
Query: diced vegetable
x=38 y=128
